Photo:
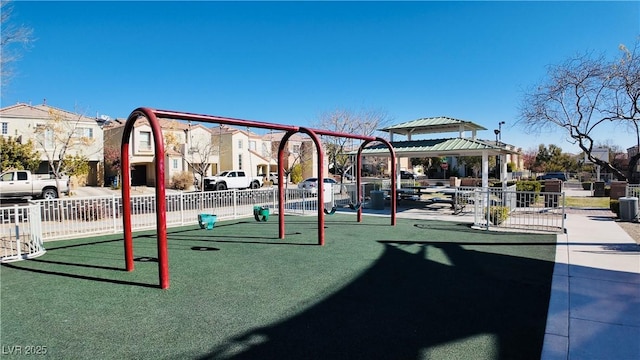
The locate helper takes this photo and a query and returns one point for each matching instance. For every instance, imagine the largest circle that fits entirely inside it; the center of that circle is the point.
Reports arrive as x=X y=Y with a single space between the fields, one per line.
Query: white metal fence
x=77 y=217
x=20 y=233
x=632 y=190
x=524 y=210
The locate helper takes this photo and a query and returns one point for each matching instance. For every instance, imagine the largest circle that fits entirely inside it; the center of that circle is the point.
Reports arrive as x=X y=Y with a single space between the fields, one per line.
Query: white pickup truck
x=22 y=184
x=234 y=179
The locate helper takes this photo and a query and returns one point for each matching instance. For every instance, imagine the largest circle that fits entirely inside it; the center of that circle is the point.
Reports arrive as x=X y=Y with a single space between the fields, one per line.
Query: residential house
x=300 y=150
x=49 y=128
x=186 y=147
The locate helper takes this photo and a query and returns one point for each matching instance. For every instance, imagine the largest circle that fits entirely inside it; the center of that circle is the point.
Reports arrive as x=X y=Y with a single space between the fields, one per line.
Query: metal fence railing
x=632 y=190
x=20 y=233
x=523 y=210
x=77 y=217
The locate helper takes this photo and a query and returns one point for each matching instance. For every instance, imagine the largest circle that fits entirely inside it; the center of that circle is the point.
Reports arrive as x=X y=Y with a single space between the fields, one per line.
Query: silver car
x=311 y=184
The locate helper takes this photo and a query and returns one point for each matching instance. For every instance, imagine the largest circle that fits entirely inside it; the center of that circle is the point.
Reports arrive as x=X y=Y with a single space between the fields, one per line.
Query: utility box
x=628 y=208
x=618 y=189
x=598 y=189
x=551 y=196
x=377 y=200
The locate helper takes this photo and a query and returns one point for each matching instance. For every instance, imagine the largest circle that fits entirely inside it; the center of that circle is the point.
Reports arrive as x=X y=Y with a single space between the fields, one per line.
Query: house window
x=83 y=132
x=48 y=138
x=252 y=145
x=265 y=150
x=296 y=149
x=239 y=144
x=145 y=140
x=240 y=161
x=5 y=128
x=175 y=163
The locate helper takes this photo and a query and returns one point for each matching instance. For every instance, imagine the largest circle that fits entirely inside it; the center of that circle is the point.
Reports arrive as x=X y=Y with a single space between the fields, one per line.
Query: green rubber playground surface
x=419 y=290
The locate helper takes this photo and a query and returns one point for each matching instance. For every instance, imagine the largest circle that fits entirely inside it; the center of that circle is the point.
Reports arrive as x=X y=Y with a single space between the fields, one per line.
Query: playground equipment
x=207 y=221
x=261 y=213
x=152 y=115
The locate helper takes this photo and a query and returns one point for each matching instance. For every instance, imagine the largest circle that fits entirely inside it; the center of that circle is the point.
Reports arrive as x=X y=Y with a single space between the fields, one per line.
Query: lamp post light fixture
x=497 y=132
x=500 y=130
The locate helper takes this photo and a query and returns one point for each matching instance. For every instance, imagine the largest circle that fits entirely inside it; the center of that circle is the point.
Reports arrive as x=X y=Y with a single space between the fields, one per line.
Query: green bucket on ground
x=261 y=213
x=207 y=221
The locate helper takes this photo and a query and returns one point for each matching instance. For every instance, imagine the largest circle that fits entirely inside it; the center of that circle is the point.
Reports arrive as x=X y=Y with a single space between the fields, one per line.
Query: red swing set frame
x=152 y=115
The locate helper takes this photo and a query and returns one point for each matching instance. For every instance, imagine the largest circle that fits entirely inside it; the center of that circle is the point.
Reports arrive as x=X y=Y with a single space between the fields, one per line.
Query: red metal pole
x=161 y=201
x=169 y=114
x=320 y=169
x=126 y=194
x=281 y=190
x=359 y=179
x=394 y=204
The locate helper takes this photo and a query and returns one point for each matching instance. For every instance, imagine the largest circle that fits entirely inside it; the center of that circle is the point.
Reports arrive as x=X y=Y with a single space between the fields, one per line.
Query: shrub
x=528 y=185
x=181 y=180
x=614 y=205
x=296 y=174
x=527 y=192
x=498 y=214
x=587 y=185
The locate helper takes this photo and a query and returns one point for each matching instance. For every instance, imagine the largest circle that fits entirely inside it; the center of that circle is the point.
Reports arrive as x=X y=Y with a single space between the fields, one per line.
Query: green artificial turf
x=420 y=289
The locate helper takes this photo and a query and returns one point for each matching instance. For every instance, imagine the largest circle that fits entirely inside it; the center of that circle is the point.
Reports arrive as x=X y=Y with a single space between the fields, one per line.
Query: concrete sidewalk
x=594 y=310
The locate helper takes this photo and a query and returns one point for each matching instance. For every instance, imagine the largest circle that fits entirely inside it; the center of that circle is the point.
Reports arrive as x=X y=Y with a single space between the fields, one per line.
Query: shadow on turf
x=82 y=277
x=84 y=265
x=414 y=303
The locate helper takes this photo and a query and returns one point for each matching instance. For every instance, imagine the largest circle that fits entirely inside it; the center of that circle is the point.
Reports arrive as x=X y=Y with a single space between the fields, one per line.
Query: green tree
x=553 y=159
x=75 y=165
x=16 y=155
x=475 y=163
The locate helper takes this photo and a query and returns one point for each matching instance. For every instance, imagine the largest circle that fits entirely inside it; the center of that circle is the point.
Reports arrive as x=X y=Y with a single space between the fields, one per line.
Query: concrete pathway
x=594 y=310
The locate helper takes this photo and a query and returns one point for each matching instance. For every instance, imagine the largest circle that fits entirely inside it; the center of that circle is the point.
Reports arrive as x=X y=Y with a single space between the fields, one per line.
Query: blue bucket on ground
x=207 y=221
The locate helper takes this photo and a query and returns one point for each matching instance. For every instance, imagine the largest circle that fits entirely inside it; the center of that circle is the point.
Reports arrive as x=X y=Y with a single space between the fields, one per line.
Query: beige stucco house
x=49 y=128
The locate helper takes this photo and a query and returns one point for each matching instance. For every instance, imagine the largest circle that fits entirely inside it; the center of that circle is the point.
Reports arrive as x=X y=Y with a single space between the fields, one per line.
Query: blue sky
x=288 y=62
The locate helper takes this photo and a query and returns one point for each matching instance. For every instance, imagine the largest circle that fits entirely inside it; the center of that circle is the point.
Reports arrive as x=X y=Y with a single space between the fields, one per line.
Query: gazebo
x=463 y=145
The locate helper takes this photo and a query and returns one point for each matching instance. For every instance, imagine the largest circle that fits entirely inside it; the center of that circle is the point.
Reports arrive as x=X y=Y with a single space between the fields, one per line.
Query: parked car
x=235 y=179
x=311 y=184
x=23 y=184
x=273 y=177
x=552 y=175
x=407 y=175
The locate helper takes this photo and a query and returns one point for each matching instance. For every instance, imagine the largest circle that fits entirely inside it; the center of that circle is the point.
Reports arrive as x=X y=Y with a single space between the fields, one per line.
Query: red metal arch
x=393 y=178
x=281 y=194
x=161 y=207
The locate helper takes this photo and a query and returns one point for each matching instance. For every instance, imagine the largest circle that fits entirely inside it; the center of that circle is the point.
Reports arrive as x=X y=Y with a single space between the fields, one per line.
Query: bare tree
x=10 y=36
x=363 y=122
x=63 y=143
x=582 y=94
x=199 y=153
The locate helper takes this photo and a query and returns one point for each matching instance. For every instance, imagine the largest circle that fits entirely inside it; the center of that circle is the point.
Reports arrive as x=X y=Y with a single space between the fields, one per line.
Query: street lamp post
x=498 y=133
